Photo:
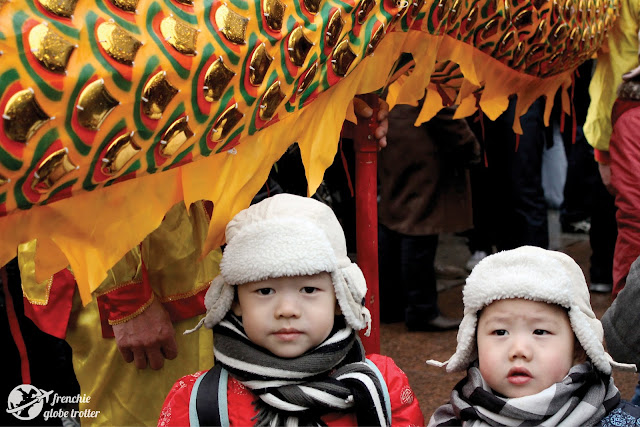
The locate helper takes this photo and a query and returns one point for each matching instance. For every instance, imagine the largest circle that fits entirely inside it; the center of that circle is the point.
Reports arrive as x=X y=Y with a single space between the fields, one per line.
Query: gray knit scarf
x=582 y=398
x=332 y=377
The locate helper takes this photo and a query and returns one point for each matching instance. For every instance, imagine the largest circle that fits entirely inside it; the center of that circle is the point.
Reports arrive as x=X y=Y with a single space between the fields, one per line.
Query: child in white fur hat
x=532 y=348
x=284 y=312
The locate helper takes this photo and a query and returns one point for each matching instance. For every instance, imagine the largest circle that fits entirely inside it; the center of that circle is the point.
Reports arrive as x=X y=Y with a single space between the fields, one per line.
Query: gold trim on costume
x=37 y=301
x=189 y=294
x=31 y=288
x=122 y=285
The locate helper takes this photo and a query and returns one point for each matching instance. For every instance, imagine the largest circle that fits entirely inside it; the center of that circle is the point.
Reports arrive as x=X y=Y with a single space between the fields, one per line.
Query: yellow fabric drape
x=115 y=387
x=94 y=228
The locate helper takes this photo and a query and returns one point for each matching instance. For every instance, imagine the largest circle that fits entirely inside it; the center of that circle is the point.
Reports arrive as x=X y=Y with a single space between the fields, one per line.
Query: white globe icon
x=25 y=401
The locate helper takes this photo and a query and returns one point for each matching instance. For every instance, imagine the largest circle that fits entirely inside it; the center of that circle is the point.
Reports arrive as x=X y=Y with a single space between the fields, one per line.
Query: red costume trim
x=52 y=315
x=122 y=304
x=130 y=299
x=602 y=157
x=185 y=306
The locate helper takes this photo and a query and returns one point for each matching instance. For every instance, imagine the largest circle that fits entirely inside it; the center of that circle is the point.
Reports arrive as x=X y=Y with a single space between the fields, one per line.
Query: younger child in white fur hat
x=284 y=312
x=532 y=348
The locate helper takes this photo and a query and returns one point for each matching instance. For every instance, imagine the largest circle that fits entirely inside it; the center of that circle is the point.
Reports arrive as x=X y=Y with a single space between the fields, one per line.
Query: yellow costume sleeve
x=619 y=55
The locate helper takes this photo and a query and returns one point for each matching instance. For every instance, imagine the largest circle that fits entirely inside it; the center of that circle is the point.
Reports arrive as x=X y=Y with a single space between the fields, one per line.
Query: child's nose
x=288 y=307
x=519 y=348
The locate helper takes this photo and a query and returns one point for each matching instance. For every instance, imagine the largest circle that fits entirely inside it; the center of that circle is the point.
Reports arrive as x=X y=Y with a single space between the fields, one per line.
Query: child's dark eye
x=540 y=332
x=265 y=291
x=308 y=290
x=500 y=332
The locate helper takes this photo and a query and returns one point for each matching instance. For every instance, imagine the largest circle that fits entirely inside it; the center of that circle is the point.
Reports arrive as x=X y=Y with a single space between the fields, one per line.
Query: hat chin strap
x=217 y=300
x=437 y=363
x=628 y=367
x=198 y=326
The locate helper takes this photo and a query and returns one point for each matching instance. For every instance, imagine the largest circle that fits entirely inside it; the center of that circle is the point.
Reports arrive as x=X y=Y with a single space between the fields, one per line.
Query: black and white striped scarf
x=583 y=398
x=332 y=377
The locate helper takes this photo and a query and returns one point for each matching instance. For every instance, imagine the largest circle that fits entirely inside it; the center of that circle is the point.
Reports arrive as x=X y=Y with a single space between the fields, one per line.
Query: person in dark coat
x=424 y=191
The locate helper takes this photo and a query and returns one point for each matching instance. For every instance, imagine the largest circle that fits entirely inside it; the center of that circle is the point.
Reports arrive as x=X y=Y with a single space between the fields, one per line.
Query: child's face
x=524 y=346
x=287 y=315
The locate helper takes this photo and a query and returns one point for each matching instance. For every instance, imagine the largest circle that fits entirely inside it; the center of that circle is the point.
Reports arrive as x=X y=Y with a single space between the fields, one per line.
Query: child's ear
x=235 y=307
x=579 y=354
x=338 y=309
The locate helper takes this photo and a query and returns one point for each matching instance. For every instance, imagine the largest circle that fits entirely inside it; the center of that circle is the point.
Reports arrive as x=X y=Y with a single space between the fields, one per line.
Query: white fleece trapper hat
x=287 y=235
x=535 y=274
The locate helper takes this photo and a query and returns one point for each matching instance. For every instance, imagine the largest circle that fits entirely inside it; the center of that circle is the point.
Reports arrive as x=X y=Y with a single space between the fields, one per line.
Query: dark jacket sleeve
x=621 y=320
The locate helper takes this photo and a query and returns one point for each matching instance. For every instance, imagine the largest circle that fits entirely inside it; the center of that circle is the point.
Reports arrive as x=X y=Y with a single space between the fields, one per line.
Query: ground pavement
x=410 y=350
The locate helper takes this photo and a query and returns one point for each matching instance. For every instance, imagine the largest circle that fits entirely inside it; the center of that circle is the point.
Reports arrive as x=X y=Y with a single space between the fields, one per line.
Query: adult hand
x=148 y=338
x=363 y=110
x=605 y=174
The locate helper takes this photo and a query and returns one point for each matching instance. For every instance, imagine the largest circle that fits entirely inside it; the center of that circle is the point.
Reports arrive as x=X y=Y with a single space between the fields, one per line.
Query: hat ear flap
x=589 y=333
x=466 y=351
x=351 y=288
x=217 y=300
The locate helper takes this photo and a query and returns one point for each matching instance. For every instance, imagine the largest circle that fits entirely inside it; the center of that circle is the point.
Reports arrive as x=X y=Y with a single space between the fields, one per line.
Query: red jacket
x=405 y=410
x=624 y=149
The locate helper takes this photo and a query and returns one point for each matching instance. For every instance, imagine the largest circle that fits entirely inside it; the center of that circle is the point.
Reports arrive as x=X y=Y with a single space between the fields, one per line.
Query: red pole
x=366 y=150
